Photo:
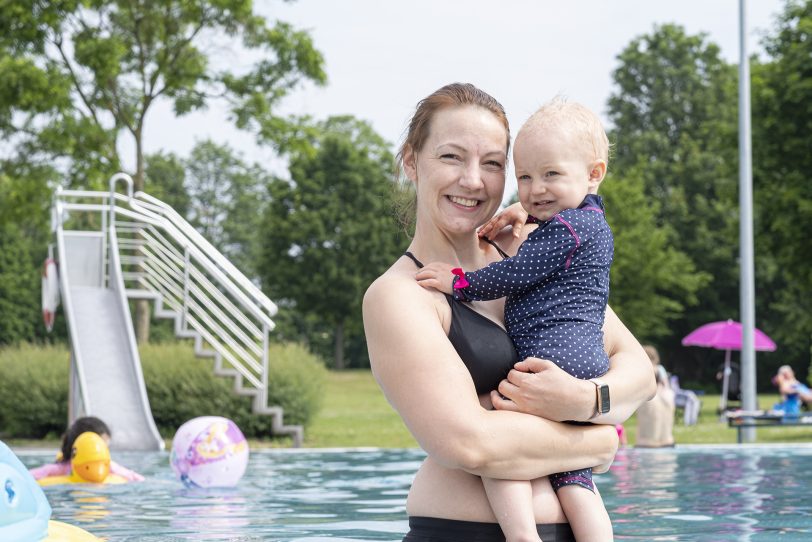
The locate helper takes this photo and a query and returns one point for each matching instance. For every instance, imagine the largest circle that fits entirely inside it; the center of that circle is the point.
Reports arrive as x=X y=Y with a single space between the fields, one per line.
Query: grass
x=355 y=414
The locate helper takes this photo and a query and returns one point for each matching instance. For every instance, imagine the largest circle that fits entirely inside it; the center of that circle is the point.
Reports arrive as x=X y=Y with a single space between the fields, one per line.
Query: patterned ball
x=209 y=451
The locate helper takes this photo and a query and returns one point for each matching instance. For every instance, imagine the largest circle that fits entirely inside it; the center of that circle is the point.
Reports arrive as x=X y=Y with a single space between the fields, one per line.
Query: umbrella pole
x=725 y=384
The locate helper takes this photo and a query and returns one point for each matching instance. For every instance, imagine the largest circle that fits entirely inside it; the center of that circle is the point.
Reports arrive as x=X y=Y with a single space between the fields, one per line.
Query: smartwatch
x=602 y=403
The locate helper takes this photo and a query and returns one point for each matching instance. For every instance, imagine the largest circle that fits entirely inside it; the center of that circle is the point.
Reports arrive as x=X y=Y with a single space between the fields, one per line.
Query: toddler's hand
x=436 y=275
x=514 y=215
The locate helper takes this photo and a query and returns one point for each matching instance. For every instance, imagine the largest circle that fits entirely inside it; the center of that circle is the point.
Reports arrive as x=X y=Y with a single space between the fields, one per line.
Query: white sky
x=383 y=56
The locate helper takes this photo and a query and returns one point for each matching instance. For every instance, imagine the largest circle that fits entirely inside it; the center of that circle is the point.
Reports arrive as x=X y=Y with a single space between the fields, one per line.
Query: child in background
x=62 y=465
x=557 y=287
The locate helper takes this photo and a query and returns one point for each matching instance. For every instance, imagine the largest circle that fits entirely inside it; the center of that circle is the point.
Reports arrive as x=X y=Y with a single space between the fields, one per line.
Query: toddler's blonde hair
x=576 y=119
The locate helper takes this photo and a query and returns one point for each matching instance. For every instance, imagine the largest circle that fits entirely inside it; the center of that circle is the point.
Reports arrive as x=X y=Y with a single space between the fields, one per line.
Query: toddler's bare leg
x=586 y=514
x=512 y=504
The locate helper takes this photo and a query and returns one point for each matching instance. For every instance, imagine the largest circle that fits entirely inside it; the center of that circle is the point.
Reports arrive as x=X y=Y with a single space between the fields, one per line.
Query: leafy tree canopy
x=329 y=230
x=80 y=74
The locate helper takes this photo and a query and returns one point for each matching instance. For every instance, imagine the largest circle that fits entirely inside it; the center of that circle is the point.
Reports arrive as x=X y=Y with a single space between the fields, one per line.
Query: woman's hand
x=551 y=393
x=514 y=216
x=539 y=387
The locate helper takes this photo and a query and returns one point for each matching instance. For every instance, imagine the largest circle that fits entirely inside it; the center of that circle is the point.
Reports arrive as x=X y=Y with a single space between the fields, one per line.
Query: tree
x=165 y=174
x=782 y=122
x=675 y=124
x=24 y=233
x=227 y=198
x=652 y=282
x=329 y=230
x=79 y=75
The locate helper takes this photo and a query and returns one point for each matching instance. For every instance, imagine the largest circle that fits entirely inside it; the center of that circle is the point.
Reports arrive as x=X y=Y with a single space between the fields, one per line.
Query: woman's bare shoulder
x=397 y=289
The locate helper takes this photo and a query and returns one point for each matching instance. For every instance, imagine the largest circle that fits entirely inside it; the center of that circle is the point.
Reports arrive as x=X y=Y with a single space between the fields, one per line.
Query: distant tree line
x=316 y=237
x=675 y=129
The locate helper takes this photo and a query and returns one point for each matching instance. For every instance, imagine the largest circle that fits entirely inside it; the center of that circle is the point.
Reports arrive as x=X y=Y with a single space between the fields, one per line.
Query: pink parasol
x=727 y=336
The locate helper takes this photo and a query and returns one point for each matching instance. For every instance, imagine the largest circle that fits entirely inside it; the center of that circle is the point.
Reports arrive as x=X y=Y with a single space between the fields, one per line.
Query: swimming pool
x=757 y=493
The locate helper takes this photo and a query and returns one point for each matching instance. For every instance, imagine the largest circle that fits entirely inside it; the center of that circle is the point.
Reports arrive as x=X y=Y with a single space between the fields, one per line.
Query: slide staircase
x=113 y=248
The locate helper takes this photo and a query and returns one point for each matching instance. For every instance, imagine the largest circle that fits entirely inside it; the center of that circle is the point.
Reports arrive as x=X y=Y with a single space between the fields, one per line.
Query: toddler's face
x=552 y=171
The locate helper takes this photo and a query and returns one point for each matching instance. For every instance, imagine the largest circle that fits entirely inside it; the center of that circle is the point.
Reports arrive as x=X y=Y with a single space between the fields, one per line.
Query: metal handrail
x=170 y=214
x=164 y=256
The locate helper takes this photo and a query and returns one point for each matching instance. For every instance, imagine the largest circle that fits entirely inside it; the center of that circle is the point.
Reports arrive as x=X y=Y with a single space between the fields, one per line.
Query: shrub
x=180 y=386
x=33 y=391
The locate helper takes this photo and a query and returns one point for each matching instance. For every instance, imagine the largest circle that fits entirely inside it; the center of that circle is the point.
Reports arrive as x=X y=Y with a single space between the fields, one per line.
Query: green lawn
x=355 y=413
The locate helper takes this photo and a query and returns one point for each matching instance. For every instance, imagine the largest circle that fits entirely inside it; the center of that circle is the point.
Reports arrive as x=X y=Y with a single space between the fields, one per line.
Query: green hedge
x=180 y=386
x=33 y=391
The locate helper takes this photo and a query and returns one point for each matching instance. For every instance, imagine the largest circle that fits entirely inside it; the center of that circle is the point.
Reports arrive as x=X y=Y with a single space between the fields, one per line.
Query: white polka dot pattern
x=557 y=287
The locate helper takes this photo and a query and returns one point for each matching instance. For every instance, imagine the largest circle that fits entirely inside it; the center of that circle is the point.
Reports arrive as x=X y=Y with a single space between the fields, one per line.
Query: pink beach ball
x=209 y=451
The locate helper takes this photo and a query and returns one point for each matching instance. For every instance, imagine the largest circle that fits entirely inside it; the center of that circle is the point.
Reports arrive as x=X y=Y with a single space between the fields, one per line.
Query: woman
x=432 y=357
x=655 y=418
x=793 y=393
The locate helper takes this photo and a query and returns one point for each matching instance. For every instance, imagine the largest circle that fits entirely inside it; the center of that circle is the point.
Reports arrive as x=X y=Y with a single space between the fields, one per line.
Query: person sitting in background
x=793 y=392
x=687 y=400
x=62 y=466
x=655 y=418
x=734 y=376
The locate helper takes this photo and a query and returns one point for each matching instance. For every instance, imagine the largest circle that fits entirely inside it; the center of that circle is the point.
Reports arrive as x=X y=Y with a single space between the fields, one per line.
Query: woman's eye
x=450 y=156
x=493 y=164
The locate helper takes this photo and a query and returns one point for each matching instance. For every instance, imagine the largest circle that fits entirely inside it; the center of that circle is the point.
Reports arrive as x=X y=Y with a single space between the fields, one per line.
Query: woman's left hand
x=539 y=387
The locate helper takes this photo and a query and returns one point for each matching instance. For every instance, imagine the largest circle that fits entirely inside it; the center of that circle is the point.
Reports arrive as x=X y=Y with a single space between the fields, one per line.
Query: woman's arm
x=539 y=387
x=427 y=383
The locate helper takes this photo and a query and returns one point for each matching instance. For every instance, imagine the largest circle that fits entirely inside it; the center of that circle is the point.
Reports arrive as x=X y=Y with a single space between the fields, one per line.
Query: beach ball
x=209 y=451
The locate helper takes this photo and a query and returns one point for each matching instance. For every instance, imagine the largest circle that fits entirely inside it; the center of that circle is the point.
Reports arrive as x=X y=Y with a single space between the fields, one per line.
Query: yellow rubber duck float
x=90 y=464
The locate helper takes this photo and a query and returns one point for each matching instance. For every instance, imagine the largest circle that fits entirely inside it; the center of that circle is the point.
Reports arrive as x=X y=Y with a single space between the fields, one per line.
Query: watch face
x=603 y=396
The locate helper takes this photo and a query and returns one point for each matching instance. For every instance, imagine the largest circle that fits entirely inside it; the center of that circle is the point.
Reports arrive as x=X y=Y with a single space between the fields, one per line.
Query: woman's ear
x=410 y=163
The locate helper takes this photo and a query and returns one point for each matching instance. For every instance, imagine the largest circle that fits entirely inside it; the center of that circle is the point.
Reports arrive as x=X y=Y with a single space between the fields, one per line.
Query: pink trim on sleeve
x=577 y=240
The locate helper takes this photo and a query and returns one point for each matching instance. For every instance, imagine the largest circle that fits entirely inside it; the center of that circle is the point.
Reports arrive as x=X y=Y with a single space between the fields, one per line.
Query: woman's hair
x=81 y=425
x=786 y=370
x=453 y=95
x=652 y=354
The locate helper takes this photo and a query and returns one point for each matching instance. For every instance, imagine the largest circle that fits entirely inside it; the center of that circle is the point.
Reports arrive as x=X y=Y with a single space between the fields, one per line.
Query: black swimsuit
x=489 y=354
x=485 y=348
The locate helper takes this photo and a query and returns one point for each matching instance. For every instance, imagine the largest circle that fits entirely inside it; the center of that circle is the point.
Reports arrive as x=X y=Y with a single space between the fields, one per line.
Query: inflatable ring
x=73 y=479
x=63 y=532
x=24 y=511
x=90 y=464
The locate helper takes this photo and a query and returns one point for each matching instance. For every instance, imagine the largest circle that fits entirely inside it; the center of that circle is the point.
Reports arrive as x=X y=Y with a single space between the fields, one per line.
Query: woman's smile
x=464 y=202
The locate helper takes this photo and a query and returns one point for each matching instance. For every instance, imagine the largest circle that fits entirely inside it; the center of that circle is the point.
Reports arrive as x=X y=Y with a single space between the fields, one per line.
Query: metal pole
x=725 y=384
x=747 y=286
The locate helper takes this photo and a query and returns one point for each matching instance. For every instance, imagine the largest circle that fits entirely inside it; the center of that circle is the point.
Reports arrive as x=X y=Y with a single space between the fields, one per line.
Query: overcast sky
x=383 y=56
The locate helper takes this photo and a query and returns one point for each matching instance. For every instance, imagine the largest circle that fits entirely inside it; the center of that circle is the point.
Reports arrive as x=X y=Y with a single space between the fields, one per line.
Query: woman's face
x=460 y=171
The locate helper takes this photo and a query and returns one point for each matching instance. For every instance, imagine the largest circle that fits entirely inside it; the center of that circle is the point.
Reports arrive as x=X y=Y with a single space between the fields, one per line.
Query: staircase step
x=134 y=293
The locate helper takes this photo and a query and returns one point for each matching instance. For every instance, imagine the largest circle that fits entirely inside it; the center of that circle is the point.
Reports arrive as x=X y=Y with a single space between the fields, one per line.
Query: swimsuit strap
x=419 y=264
x=413 y=258
x=497 y=247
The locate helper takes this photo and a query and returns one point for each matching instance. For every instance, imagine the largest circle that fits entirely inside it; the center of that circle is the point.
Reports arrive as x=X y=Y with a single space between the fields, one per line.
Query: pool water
x=687 y=493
